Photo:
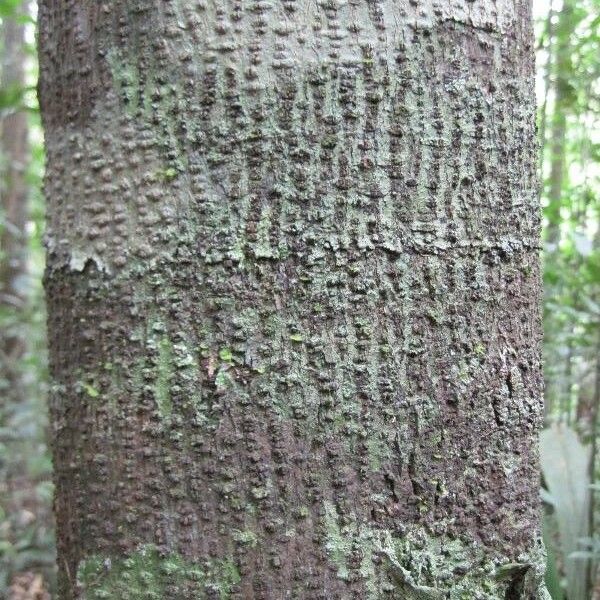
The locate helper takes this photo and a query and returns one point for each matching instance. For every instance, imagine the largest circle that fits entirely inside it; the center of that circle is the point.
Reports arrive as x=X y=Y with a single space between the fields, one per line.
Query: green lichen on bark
x=164 y=371
x=147 y=575
x=416 y=566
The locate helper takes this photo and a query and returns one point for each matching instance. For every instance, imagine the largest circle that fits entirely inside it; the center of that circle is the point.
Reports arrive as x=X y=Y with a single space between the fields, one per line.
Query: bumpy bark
x=293 y=293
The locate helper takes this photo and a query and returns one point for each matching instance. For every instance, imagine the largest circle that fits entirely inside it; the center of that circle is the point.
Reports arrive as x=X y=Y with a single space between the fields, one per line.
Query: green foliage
x=26 y=524
x=569 y=127
x=569 y=49
x=9 y=8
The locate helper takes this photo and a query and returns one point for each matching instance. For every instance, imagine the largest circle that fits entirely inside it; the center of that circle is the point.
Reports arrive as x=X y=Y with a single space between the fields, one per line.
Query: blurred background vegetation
x=568 y=89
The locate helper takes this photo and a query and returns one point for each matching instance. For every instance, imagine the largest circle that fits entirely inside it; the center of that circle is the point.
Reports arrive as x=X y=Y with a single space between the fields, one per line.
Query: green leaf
x=565 y=463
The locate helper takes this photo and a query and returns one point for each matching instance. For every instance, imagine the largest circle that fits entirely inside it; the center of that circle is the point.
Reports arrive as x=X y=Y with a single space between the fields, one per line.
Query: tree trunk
x=293 y=297
x=14 y=155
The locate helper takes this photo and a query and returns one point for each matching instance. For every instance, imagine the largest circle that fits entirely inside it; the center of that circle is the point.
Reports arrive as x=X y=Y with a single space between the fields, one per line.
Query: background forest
x=568 y=88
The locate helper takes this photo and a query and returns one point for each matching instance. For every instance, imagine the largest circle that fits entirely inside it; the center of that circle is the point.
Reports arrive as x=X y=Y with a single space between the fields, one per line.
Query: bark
x=13 y=236
x=293 y=292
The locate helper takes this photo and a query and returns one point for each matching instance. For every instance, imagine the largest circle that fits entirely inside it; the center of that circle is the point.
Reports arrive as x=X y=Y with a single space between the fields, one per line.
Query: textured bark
x=13 y=193
x=293 y=292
